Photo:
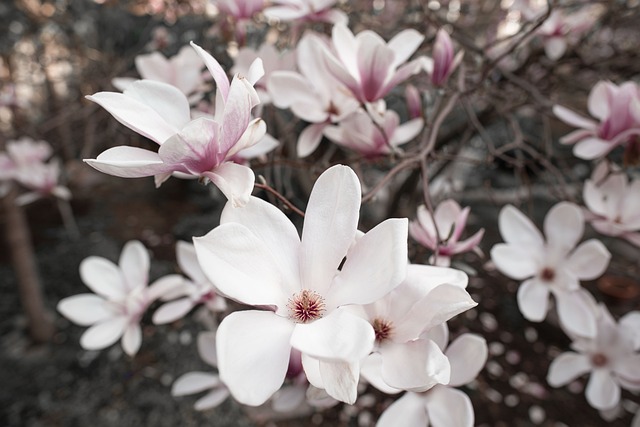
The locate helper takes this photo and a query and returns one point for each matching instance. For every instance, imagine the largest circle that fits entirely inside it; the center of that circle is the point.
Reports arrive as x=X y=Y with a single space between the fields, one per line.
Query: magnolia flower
x=240 y=10
x=199 y=148
x=444 y=63
x=611 y=357
x=441 y=232
x=614 y=108
x=402 y=359
x=614 y=203
x=560 y=30
x=306 y=11
x=369 y=66
x=359 y=133
x=443 y=405
x=184 y=71
x=122 y=298
x=552 y=265
x=197 y=382
x=25 y=152
x=189 y=293
x=42 y=179
x=314 y=94
x=306 y=282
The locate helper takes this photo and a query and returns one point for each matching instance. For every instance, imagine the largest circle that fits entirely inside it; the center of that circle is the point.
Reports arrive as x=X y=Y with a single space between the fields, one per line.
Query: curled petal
x=415 y=366
x=235 y=181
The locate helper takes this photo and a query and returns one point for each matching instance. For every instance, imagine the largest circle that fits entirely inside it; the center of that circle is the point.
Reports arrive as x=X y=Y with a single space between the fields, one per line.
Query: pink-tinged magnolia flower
x=560 y=30
x=314 y=94
x=189 y=293
x=25 y=152
x=240 y=10
x=369 y=66
x=441 y=232
x=359 y=133
x=122 y=298
x=614 y=108
x=403 y=358
x=444 y=62
x=443 y=405
x=611 y=357
x=197 y=382
x=197 y=148
x=42 y=180
x=306 y=282
x=614 y=204
x=184 y=71
x=306 y=11
x=555 y=265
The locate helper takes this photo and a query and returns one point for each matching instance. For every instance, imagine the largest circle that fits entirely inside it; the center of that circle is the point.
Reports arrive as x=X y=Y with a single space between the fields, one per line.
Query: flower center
x=548 y=274
x=383 y=329
x=306 y=306
x=599 y=360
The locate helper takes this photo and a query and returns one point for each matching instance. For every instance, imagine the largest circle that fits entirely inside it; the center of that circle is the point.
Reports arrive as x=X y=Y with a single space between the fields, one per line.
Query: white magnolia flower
x=188 y=293
x=612 y=357
x=443 y=405
x=551 y=265
x=256 y=257
x=122 y=298
x=197 y=382
x=402 y=360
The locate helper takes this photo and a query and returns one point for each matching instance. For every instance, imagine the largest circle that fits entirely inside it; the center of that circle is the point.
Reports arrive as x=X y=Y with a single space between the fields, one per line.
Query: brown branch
x=280 y=197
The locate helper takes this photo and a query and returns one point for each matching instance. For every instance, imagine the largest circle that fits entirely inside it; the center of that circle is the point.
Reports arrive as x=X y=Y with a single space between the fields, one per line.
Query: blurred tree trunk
x=19 y=241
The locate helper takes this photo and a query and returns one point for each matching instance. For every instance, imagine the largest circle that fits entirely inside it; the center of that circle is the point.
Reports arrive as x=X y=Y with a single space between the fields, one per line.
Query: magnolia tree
x=319 y=306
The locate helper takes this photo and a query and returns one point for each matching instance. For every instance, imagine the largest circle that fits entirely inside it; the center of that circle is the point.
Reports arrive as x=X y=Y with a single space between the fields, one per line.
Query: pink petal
x=467 y=355
x=589 y=260
x=194 y=382
x=235 y=181
x=102 y=335
x=253 y=354
x=564 y=225
x=415 y=366
x=408 y=411
x=134 y=263
x=515 y=227
x=329 y=226
x=224 y=254
x=340 y=380
x=375 y=64
x=339 y=336
x=576 y=311
x=195 y=149
x=515 y=261
x=566 y=368
x=85 y=309
x=375 y=265
x=132 y=339
x=602 y=391
x=449 y=407
x=533 y=300
x=254 y=134
x=575 y=136
x=237 y=113
x=103 y=277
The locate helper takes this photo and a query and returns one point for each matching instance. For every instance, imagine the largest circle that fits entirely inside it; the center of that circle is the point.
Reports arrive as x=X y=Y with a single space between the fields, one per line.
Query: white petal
x=592 y=148
x=408 y=411
x=224 y=254
x=310 y=139
x=576 y=312
x=589 y=260
x=132 y=339
x=371 y=371
x=329 y=226
x=207 y=347
x=602 y=391
x=515 y=227
x=467 y=355
x=167 y=100
x=630 y=326
x=515 y=260
x=188 y=261
x=572 y=118
x=235 y=181
x=415 y=366
x=340 y=380
x=375 y=265
x=172 y=311
x=448 y=407
x=288 y=398
x=533 y=300
x=340 y=336
x=103 y=277
x=253 y=354
x=102 y=335
x=134 y=263
x=128 y=162
x=211 y=400
x=85 y=309
x=564 y=225
x=566 y=368
x=220 y=77
x=194 y=382
x=404 y=44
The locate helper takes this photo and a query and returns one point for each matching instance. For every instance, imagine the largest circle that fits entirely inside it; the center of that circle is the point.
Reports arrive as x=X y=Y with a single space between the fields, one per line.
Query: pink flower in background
x=442 y=232
x=414 y=101
x=614 y=204
x=306 y=11
x=556 y=265
x=121 y=298
x=369 y=66
x=197 y=382
x=359 y=133
x=611 y=357
x=240 y=10
x=617 y=110
x=43 y=181
x=300 y=280
x=184 y=71
x=403 y=359
x=313 y=94
x=197 y=148
x=444 y=62
x=561 y=29
x=190 y=292
x=443 y=405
